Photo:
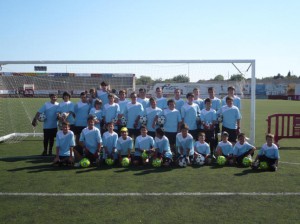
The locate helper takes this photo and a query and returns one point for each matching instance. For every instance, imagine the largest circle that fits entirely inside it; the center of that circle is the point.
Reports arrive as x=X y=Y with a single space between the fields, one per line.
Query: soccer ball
x=182 y=162
x=85 y=163
x=221 y=160
x=156 y=162
x=220 y=118
x=123 y=121
x=143 y=120
x=42 y=117
x=144 y=155
x=125 y=162
x=64 y=115
x=263 y=165
x=109 y=161
x=161 y=120
x=200 y=160
x=114 y=120
x=247 y=161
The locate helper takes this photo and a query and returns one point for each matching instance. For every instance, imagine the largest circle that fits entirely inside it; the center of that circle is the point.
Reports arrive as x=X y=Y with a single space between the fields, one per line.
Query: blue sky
x=267 y=31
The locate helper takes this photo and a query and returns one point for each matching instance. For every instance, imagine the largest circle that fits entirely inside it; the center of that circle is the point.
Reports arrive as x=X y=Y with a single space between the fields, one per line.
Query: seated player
x=201 y=147
x=185 y=144
x=269 y=153
x=143 y=144
x=124 y=145
x=242 y=149
x=109 y=140
x=225 y=148
x=65 y=141
x=162 y=147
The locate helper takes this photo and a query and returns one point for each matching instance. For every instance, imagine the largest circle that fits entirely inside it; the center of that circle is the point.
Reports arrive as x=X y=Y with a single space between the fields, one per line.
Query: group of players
x=104 y=126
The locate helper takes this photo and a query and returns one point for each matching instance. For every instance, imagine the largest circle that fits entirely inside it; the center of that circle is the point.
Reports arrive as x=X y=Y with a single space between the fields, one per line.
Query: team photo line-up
x=110 y=129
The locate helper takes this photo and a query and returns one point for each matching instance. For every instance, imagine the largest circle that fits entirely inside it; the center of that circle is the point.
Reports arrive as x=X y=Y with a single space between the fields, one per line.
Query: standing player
x=111 y=111
x=66 y=107
x=97 y=113
x=102 y=94
x=133 y=111
x=197 y=99
x=177 y=99
x=122 y=104
x=142 y=99
x=110 y=139
x=189 y=112
x=160 y=100
x=236 y=99
x=151 y=113
x=50 y=124
x=231 y=117
x=216 y=105
x=185 y=144
x=65 y=142
x=124 y=145
x=81 y=110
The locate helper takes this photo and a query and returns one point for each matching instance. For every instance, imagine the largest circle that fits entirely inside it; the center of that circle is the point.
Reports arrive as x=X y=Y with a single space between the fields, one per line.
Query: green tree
x=181 y=78
x=238 y=77
x=144 y=80
x=219 y=78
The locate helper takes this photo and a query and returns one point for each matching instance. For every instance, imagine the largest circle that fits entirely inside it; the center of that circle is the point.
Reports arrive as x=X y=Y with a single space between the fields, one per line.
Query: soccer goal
x=26 y=85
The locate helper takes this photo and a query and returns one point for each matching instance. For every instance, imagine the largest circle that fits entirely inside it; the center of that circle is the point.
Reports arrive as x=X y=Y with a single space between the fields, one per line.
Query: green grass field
x=23 y=172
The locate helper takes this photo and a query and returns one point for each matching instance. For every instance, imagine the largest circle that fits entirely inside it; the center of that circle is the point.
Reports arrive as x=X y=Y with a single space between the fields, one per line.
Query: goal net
x=25 y=85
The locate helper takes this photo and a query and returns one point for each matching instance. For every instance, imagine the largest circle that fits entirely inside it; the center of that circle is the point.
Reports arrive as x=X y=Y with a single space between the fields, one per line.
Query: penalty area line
x=36 y=194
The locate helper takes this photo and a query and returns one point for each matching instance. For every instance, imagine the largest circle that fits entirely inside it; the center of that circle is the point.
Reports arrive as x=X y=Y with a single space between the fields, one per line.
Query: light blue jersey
x=122 y=105
x=161 y=103
x=131 y=112
x=236 y=101
x=98 y=114
x=179 y=103
x=271 y=152
x=208 y=116
x=163 y=146
x=239 y=149
x=185 y=143
x=64 y=142
x=151 y=114
x=173 y=117
x=50 y=110
x=103 y=96
x=123 y=145
x=145 y=102
x=200 y=103
x=202 y=148
x=67 y=107
x=81 y=113
x=189 y=113
x=91 y=139
x=110 y=112
x=143 y=143
x=216 y=103
x=226 y=148
x=230 y=116
x=110 y=143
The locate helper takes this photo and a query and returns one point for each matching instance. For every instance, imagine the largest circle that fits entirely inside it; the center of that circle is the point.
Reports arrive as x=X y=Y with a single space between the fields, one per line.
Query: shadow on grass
x=249 y=171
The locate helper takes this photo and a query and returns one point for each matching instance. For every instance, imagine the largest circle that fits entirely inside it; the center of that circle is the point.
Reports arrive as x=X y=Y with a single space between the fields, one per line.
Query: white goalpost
x=56 y=76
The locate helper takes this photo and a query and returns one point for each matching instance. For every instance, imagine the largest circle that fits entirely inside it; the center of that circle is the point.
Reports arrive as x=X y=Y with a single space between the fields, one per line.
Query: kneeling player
x=242 y=149
x=185 y=144
x=110 y=139
x=144 y=145
x=65 y=142
x=201 y=147
x=162 y=147
x=269 y=153
x=225 y=149
x=124 y=145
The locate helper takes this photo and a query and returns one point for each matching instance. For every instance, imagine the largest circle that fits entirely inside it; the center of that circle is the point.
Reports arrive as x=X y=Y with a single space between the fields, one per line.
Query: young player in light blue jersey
x=102 y=94
x=65 y=111
x=161 y=102
x=133 y=111
x=142 y=99
x=50 y=124
x=185 y=143
x=242 y=149
x=122 y=101
x=90 y=142
x=162 y=147
x=268 y=153
x=65 y=141
x=172 y=123
x=189 y=112
x=236 y=99
x=152 y=113
x=231 y=117
x=92 y=97
x=177 y=99
x=208 y=119
x=124 y=145
x=201 y=147
x=97 y=112
x=225 y=148
x=197 y=100
x=111 y=111
x=109 y=142
x=143 y=143
x=81 y=110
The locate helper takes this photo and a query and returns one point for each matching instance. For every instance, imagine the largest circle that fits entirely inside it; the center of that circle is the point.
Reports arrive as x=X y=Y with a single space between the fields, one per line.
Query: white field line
x=150 y=194
x=289 y=163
